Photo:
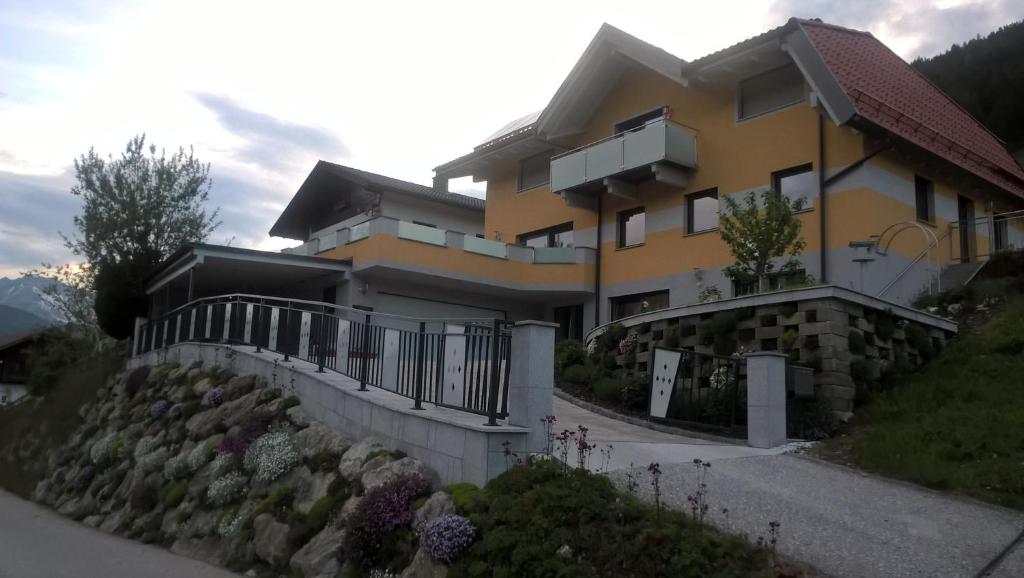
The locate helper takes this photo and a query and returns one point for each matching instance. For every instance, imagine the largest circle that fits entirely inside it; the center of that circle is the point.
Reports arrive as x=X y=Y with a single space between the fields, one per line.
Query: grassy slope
x=30 y=429
x=958 y=425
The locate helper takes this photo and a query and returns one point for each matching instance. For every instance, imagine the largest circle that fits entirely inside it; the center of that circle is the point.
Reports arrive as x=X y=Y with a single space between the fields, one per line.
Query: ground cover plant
x=956 y=425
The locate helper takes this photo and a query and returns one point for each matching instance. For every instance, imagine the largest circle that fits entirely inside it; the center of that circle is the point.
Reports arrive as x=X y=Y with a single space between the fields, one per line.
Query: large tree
x=137 y=209
x=760 y=234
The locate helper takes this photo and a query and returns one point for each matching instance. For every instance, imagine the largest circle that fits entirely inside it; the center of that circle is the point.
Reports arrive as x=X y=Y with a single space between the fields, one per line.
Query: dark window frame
x=639 y=120
x=776 y=282
x=777 y=177
x=615 y=303
x=519 y=174
x=620 y=226
x=928 y=191
x=707 y=193
x=549 y=231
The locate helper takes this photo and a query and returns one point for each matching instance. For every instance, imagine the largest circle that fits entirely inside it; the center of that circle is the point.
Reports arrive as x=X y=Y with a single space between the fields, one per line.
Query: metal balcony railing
x=659 y=141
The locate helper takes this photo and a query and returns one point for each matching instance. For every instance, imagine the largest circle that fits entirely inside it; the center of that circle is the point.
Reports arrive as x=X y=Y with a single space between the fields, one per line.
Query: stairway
x=959 y=274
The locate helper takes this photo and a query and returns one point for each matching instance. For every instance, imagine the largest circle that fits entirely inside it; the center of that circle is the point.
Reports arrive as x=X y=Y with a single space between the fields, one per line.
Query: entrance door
x=570 y=322
x=965 y=208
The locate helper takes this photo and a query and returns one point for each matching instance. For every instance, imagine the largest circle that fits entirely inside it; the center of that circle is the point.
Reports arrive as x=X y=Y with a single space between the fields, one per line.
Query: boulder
x=271 y=540
x=319 y=557
x=115 y=520
x=94 y=521
x=235 y=412
x=149 y=444
x=153 y=461
x=202 y=386
x=355 y=456
x=319 y=438
x=438 y=504
x=204 y=424
x=209 y=551
x=316 y=489
x=393 y=470
x=239 y=385
x=348 y=507
x=298 y=416
x=423 y=566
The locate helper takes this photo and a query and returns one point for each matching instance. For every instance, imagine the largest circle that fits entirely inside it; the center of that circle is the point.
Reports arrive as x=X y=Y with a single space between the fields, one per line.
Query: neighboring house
x=14 y=366
x=606 y=203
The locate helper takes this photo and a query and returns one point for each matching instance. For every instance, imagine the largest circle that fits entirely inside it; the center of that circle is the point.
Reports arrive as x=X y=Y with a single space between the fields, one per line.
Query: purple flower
x=214 y=397
x=447 y=537
x=159 y=408
x=381 y=510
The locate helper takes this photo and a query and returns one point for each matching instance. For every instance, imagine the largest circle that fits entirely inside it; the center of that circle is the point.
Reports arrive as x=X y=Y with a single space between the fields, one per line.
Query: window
x=776 y=282
x=770 y=91
x=924 y=199
x=796 y=183
x=1002 y=240
x=631 y=227
x=535 y=171
x=558 y=236
x=639 y=303
x=640 y=120
x=702 y=211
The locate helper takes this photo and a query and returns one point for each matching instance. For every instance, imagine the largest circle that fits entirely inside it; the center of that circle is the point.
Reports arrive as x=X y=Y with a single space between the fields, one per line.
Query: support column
x=531 y=379
x=766 y=399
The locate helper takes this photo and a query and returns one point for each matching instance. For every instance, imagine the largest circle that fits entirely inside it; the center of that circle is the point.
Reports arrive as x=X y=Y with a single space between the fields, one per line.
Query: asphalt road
x=36 y=542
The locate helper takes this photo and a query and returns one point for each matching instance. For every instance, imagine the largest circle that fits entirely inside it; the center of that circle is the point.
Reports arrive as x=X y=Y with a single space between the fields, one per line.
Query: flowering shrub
x=177 y=467
x=721 y=377
x=271 y=455
x=159 y=408
x=84 y=478
x=199 y=456
x=382 y=510
x=446 y=537
x=100 y=451
x=628 y=344
x=230 y=523
x=226 y=489
x=145 y=446
x=214 y=397
x=237 y=442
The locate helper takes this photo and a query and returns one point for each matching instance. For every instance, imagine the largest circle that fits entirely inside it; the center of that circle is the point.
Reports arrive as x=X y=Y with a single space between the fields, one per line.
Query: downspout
x=597 y=267
x=823 y=245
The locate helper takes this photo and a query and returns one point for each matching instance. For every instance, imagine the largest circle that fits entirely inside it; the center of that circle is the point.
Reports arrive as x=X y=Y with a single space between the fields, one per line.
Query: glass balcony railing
x=658 y=141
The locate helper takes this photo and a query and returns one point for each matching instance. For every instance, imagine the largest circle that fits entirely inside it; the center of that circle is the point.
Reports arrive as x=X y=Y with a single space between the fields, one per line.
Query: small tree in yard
x=136 y=210
x=760 y=233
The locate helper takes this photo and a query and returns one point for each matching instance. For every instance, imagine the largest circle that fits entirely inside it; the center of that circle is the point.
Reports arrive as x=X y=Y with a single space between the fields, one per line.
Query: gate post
x=766 y=399
x=531 y=380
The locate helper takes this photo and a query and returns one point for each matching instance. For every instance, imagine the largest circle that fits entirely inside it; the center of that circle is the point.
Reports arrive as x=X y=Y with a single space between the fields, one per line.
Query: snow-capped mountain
x=25 y=295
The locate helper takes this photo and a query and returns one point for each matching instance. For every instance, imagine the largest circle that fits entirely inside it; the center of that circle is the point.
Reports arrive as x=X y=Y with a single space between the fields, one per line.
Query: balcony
x=659 y=146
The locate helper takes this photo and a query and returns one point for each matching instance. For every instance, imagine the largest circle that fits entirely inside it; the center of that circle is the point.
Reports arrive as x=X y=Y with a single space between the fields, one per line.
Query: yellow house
x=606 y=203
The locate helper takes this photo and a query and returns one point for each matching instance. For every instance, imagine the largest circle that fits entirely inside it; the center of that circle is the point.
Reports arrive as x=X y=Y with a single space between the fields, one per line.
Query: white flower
x=226 y=489
x=271 y=455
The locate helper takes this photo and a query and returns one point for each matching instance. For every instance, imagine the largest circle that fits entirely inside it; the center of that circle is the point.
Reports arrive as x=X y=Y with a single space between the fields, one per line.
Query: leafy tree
x=760 y=233
x=137 y=209
x=71 y=292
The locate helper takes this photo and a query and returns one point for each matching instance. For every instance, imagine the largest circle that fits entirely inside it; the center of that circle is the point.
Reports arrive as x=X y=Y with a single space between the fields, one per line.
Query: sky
x=261 y=91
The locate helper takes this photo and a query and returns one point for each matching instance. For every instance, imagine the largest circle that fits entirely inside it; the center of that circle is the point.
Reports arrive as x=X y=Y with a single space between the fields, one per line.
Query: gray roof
x=374 y=180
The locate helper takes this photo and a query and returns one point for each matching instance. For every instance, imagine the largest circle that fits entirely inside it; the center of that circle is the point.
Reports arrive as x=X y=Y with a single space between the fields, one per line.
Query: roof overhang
x=324 y=192
x=234 y=268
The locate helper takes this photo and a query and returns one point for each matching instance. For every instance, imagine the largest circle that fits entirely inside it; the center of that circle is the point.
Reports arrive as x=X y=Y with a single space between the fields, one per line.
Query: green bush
x=885 y=326
x=278 y=503
x=529 y=513
x=789 y=338
x=856 y=342
x=580 y=374
x=608 y=389
x=49 y=357
x=672 y=337
x=629 y=360
x=324 y=461
x=610 y=362
x=175 y=495
x=569 y=353
x=634 y=393
x=465 y=496
x=321 y=511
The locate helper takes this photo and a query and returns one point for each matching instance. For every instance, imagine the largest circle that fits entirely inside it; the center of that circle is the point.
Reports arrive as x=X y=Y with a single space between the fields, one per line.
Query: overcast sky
x=263 y=91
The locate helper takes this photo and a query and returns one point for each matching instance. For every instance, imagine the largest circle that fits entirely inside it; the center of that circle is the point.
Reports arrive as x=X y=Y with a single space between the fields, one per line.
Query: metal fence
x=458 y=363
x=704 y=392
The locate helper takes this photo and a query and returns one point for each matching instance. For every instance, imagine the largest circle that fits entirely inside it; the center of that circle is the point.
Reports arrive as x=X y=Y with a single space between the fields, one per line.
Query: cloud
x=270 y=142
x=912 y=28
x=35 y=210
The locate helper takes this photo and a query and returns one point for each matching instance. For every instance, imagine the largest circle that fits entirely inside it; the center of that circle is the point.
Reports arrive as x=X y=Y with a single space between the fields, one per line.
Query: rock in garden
x=319 y=557
x=438 y=504
x=424 y=567
x=202 y=386
x=394 y=470
x=353 y=459
x=319 y=438
x=239 y=385
x=271 y=539
x=298 y=416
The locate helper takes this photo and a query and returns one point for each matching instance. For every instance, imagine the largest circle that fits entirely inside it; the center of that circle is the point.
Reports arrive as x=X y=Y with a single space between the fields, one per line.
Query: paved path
x=36 y=542
x=843 y=522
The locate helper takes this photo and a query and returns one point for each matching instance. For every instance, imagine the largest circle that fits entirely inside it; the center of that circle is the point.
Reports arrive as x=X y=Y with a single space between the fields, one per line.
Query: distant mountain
x=17 y=321
x=24 y=305
x=986 y=76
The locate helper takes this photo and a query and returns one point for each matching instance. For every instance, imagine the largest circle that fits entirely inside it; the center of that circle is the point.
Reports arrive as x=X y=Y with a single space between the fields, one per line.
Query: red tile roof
x=888 y=92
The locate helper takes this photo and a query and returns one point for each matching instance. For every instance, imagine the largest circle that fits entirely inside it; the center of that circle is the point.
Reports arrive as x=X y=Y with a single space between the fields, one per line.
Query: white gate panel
x=304 y=336
x=209 y=321
x=275 y=317
x=192 y=323
x=666 y=365
x=344 y=336
x=454 y=384
x=247 y=336
x=227 y=322
x=389 y=377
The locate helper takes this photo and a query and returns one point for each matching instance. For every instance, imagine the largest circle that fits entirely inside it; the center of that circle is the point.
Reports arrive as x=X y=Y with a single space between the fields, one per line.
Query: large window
x=558 y=236
x=796 y=183
x=535 y=171
x=924 y=199
x=776 y=281
x=702 y=211
x=770 y=91
x=639 y=120
x=631 y=227
x=639 y=303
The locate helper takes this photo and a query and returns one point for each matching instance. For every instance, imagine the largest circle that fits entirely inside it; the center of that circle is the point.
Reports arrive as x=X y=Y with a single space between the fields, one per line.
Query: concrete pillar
x=531 y=379
x=137 y=341
x=766 y=399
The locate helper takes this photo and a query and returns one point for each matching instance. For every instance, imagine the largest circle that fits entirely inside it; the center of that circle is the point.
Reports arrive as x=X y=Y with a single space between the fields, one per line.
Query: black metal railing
x=460 y=363
x=707 y=392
